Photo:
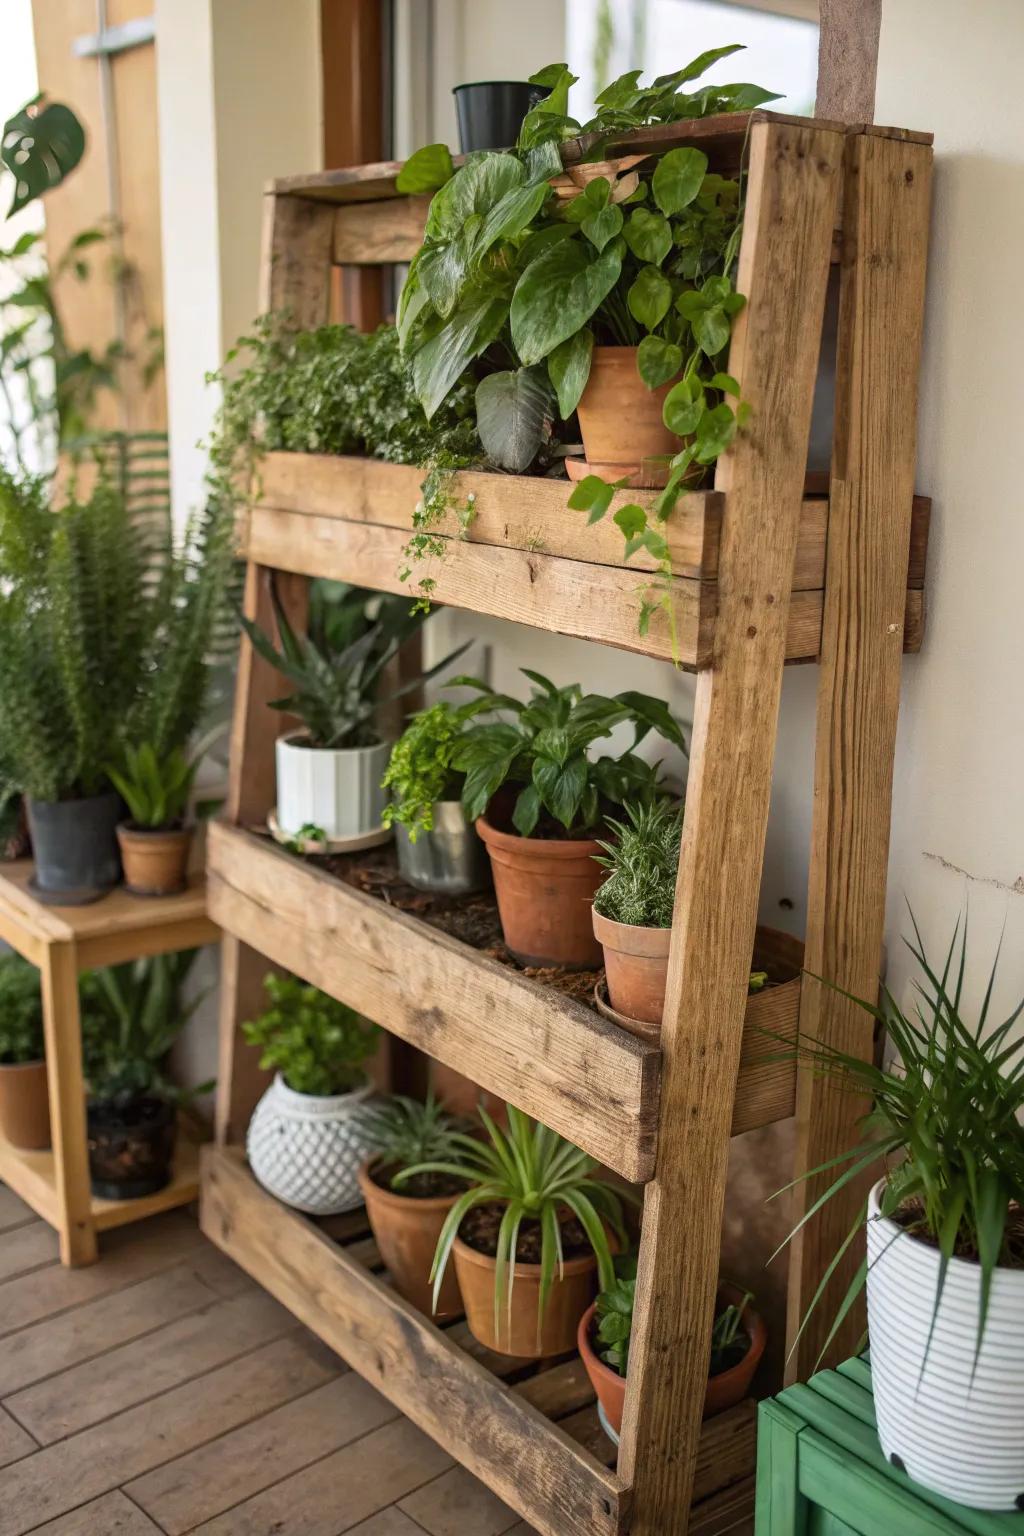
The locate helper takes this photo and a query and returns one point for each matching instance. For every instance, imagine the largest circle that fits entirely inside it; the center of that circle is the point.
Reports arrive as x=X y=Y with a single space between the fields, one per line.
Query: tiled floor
x=162 y=1391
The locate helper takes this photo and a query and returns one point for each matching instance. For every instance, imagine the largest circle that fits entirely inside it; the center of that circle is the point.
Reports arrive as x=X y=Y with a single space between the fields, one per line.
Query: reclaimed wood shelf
x=534 y=1435
x=63 y=942
x=766 y=569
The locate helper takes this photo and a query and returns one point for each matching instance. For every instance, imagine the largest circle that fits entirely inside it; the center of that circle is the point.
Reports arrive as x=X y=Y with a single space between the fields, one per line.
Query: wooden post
x=885 y=243
x=352 y=69
x=784 y=262
x=848 y=59
x=63 y=1036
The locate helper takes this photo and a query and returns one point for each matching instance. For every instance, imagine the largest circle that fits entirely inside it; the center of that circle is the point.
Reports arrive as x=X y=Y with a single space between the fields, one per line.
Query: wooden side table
x=821 y=1471
x=62 y=942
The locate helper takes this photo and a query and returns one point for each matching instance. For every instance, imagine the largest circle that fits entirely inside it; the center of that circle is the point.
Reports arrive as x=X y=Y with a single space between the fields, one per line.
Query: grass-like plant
x=407 y=1133
x=319 y=1045
x=613 y=1315
x=946 y=1117
x=21 y=1012
x=131 y=1016
x=535 y=1174
x=642 y=864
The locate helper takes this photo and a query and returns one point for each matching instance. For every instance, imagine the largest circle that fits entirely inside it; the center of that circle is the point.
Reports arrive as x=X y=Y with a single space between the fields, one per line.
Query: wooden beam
x=784 y=262
x=881 y=316
x=848 y=59
x=352 y=69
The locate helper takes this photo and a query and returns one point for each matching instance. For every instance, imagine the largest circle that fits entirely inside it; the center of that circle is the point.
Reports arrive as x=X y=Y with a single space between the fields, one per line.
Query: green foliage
x=614 y=1321
x=420 y=771
x=318 y=1044
x=947 y=1119
x=109 y=629
x=337 y=666
x=534 y=1173
x=131 y=1016
x=642 y=861
x=547 y=752
x=21 y=1012
x=42 y=143
x=727 y=1335
x=155 y=790
x=407 y=1133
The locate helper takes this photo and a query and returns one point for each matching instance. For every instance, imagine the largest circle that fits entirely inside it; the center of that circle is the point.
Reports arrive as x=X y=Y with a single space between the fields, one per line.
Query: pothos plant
x=522 y=284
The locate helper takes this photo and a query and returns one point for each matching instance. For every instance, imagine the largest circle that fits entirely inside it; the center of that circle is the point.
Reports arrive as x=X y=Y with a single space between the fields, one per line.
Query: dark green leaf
x=439 y=363
x=712 y=330
x=649 y=297
x=569 y=370
x=684 y=406
x=648 y=235
x=557 y=294
x=41 y=145
x=658 y=361
x=513 y=416
x=603 y=225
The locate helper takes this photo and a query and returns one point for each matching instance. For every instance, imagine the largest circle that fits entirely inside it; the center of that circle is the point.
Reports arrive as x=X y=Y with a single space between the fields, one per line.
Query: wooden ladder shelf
x=763 y=574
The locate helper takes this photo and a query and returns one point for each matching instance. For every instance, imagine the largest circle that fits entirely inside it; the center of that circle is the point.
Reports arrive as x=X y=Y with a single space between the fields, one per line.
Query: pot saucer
x=651 y=476
x=76 y=896
x=643 y=1031
x=373 y=839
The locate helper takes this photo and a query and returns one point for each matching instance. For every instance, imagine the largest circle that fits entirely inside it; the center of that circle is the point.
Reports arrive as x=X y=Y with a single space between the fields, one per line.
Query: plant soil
x=910 y=1216
x=480 y=1231
x=422 y=1186
x=727 y=1358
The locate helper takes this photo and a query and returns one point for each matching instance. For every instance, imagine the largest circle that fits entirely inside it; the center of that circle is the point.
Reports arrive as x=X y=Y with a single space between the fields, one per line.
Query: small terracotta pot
x=620 y=420
x=25 y=1106
x=636 y=966
x=545 y=888
x=155 y=861
x=460 y=1095
x=407 y=1230
x=723 y=1391
x=520 y=1335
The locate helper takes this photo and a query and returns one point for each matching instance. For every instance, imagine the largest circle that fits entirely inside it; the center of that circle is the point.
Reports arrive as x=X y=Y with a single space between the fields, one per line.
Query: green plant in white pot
x=944 y=1266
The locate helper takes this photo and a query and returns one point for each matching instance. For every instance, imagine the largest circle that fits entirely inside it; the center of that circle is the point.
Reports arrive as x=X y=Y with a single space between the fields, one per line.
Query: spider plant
x=946 y=1118
x=535 y=1174
x=408 y=1134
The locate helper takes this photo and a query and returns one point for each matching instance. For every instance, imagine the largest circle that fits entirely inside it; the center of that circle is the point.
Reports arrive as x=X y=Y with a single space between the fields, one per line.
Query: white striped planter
x=961 y=1438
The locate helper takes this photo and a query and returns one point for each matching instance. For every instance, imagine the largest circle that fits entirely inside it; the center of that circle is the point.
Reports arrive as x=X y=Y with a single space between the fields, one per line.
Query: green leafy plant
x=319 y=1045
x=727 y=1335
x=156 y=790
x=535 y=1175
x=21 y=1012
x=946 y=1117
x=420 y=770
x=337 y=666
x=546 y=753
x=407 y=1133
x=614 y=1321
x=642 y=864
x=42 y=143
x=131 y=1016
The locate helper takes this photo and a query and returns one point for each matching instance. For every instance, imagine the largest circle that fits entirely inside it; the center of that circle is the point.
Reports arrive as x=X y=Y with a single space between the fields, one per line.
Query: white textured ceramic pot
x=308 y=1151
x=337 y=790
x=956 y=1428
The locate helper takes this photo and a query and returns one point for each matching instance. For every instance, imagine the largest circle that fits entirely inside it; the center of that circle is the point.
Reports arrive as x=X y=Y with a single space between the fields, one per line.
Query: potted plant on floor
x=407 y=1220
x=438 y=849
x=944 y=1266
x=738 y=1339
x=329 y=772
x=131 y=1016
x=310 y=1132
x=539 y=799
x=530 y=1237
x=24 y=1101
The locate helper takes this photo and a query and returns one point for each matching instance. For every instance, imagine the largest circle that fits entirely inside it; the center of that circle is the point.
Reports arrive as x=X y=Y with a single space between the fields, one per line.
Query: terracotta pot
x=545 y=888
x=723 y=1391
x=557 y=1330
x=460 y=1095
x=25 y=1106
x=407 y=1230
x=155 y=860
x=636 y=966
x=620 y=420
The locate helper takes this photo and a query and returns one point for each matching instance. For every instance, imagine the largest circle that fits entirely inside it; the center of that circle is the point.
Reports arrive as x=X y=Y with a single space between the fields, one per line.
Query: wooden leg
x=241 y=1081
x=784 y=262
x=63 y=1033
x=881 y=308
x=781 y=1508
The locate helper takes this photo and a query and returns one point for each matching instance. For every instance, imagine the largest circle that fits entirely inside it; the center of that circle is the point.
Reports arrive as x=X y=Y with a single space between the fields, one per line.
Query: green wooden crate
x=821 y=1472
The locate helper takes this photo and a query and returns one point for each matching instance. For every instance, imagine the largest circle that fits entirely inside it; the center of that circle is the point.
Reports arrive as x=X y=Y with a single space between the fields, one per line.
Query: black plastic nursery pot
x=75 y=847
x=491 y=112
x=131 y=1147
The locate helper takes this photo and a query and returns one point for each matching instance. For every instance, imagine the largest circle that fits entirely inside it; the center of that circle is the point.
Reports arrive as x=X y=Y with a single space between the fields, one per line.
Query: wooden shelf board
x=493 y=1413
x=31 y=1175
x=556 y=1059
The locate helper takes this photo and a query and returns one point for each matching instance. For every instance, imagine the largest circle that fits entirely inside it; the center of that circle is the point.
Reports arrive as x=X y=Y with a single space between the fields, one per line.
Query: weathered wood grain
x=367 y=234
x=110 y=1515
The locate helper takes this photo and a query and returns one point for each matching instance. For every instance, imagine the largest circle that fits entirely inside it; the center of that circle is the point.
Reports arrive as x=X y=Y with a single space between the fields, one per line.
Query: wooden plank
x=60 y=1477
x=193 y=1345
x=791 y=200
x=13 y=1210
x=63 y=1038
x=888 y=188
x=848 y=59
x=559 y=1061
x=27 y=1248
x=214 y=1477
x=295 y=262
x=371 y=233
x=110 y=1515
x=15 y=1442
x=527 y=1461
x=458 y=1504
x=119 y=913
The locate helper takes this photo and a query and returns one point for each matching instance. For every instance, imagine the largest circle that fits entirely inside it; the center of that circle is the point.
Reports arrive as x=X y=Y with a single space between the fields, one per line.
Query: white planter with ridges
x=955 y=1428
x=335 y=789
x=307 y=1150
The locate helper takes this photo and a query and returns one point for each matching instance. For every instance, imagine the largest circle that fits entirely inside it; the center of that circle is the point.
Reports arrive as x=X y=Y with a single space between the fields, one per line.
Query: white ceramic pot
x=308 y=1151
x=335 y=789
x=960 y=1437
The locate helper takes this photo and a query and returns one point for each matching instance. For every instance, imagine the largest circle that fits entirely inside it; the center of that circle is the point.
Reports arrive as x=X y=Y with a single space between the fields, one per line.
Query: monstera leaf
x=41 y=145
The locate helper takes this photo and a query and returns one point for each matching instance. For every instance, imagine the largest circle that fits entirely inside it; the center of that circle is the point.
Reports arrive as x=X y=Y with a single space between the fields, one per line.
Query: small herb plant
x=407 y=1134
x=21 y=1012
x=420 y=770
x=534 y=1174
x=545 y=753
x=131 y=1016
x=614 y=1322
x=642 y=864
x=946 y=1118
x=320 y=1046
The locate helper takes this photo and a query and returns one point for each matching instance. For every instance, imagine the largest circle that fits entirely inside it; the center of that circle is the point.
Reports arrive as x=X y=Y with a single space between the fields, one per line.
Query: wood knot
x=751 y=631
x=908 y=177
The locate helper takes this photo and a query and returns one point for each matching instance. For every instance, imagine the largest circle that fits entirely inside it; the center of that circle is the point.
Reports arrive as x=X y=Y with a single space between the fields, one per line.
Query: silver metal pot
x=450 y=859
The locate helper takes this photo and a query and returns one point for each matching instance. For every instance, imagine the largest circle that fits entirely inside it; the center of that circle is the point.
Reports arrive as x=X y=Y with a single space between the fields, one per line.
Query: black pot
x=491 y=112
x=75 y=848
x=131 y=1147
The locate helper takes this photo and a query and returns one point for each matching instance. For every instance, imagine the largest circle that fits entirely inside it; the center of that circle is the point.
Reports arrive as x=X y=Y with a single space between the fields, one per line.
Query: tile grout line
x=74 y=1306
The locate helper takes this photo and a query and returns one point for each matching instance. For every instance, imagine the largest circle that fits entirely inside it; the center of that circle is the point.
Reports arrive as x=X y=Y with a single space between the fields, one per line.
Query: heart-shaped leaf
x=425 y=171
x=648 y=235
x=569 y=370
x=712 y=330
x=558 y=293
x=602 y=226
x=513 y=416
x=631 y=519
x=677 y=178
x=593 y=495
x=649 y=297
x=684 y=406
x=715 y=432
x=658 y=361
